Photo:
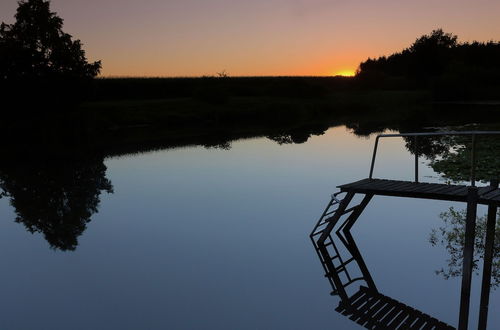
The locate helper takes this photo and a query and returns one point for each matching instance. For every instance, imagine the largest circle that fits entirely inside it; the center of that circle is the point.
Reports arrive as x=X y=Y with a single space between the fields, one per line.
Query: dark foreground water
x=197 y=238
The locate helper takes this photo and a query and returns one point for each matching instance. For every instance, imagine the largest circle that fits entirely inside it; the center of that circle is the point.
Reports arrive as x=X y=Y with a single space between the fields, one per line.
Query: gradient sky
x=258 y=37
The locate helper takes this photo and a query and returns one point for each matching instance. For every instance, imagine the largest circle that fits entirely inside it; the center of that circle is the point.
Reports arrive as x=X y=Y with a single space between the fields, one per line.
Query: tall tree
x=35 y=46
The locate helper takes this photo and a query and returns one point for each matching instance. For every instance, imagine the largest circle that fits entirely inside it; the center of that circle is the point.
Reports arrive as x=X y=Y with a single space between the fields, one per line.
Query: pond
x=214 y=238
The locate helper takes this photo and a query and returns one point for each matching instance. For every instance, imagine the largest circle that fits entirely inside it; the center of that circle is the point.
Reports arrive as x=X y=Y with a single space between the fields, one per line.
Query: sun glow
x=345 y=73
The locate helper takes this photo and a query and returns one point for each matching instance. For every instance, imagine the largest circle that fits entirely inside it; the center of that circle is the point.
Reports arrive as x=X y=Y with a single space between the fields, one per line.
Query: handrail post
x=488 y=258
x=473 y=162
x=373 y=157
x=415 y=140
x=468 y=257
x=416 y=135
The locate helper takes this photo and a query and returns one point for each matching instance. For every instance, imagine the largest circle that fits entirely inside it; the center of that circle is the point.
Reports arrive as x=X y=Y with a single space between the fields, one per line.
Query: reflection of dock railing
x=472 y=134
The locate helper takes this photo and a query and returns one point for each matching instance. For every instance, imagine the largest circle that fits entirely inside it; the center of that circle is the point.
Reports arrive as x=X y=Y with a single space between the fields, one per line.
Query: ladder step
x=331 y=212
x=350 y=209
x=323 y=223
x=331 y=259
x=342 y=267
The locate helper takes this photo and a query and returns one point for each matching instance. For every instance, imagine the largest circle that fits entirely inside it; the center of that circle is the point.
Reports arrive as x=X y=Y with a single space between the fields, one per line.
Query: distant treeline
x=436 y=62
x=217 y=89
x=440 y=63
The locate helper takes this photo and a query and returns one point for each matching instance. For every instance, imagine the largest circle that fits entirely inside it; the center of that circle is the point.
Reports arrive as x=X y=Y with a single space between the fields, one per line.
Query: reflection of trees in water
x=451 y=236
x=224 y=145
x=450 y=156
x=297 y=135
x=55 y=197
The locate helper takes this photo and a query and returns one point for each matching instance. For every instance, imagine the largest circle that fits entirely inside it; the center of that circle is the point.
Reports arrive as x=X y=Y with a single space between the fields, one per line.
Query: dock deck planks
x=373 y=310
x=487 y=195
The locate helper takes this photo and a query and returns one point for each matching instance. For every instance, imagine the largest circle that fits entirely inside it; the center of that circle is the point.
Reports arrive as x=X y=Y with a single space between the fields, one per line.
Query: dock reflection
x=350 y=278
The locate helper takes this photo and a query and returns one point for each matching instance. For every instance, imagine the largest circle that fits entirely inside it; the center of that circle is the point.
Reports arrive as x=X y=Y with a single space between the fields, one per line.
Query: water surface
x=197 y=238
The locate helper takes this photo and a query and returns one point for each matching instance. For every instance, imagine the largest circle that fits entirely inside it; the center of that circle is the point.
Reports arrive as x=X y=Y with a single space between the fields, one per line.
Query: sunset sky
x=258 y=37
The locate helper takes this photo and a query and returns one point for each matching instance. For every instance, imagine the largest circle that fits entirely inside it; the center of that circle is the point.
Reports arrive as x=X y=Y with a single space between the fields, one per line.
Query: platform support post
x=468 y=257
x=488 y=259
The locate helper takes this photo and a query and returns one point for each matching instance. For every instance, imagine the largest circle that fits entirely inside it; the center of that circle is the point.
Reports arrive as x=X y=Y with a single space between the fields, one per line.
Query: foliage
x=35 y=46
x=38 y=59
x=455 y=163
x=451 y=156
x=55 y=197
x=437 y=61
x=452 y=237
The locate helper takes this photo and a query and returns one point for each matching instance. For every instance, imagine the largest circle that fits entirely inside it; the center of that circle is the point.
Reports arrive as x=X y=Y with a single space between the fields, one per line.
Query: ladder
x=335 y=246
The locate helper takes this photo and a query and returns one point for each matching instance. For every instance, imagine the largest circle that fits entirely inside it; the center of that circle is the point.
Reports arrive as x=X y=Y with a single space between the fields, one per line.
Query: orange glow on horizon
x=345 y=73
x=192 y=38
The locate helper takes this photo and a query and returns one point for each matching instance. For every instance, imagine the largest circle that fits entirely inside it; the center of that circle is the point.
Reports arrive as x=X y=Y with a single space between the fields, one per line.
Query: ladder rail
x=331 y=258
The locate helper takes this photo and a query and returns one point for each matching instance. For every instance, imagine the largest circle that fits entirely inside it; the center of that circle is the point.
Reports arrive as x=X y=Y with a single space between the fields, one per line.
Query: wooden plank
x=377 y=185
x=414 y=187
x=420 y=322
x=405 y=313
x=363 y=309
x=390 y=316
x=349 y=310
x=403 y=186
x=491 y=195
x=347 y=185
x=368 y=316
x=380 y=315
x=414 y=315
x=459 y=190
x=427 y=187
x=356 y=296
x=446 y=189
x=341 y=308
x=396 y=184
x=431 y=324
x=486 y=190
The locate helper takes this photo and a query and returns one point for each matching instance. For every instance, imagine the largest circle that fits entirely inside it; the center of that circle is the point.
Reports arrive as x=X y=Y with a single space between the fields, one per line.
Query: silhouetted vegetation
x=451 y=236
x=56 y=189
x=199 y=88
x=452 y=70
x=38 y=61
x=451 y=156
x=55 y=196
x=53 y=171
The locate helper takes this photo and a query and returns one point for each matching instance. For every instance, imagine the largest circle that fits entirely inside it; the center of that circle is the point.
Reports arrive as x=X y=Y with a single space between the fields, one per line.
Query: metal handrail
x=473 y=135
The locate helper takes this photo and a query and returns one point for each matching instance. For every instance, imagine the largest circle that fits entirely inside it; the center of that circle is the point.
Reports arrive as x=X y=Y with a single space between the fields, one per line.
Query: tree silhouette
x=437 y=61
x=55 y=197
x=40 y=60
x=36 y=46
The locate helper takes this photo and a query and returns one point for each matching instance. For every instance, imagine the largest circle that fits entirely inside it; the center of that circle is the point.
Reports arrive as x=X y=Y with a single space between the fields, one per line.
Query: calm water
x=196 y=238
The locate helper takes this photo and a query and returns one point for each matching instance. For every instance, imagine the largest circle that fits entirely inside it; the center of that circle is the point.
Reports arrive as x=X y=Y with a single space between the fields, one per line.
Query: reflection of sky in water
x=196 y=239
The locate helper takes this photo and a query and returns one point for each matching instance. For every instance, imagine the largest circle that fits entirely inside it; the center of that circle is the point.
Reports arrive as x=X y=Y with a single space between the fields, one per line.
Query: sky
x=258 y=37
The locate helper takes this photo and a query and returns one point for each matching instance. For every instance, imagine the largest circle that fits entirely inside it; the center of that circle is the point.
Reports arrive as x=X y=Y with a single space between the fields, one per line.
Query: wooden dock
x=339 y=217
x=458 y=193
x=373 y=310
